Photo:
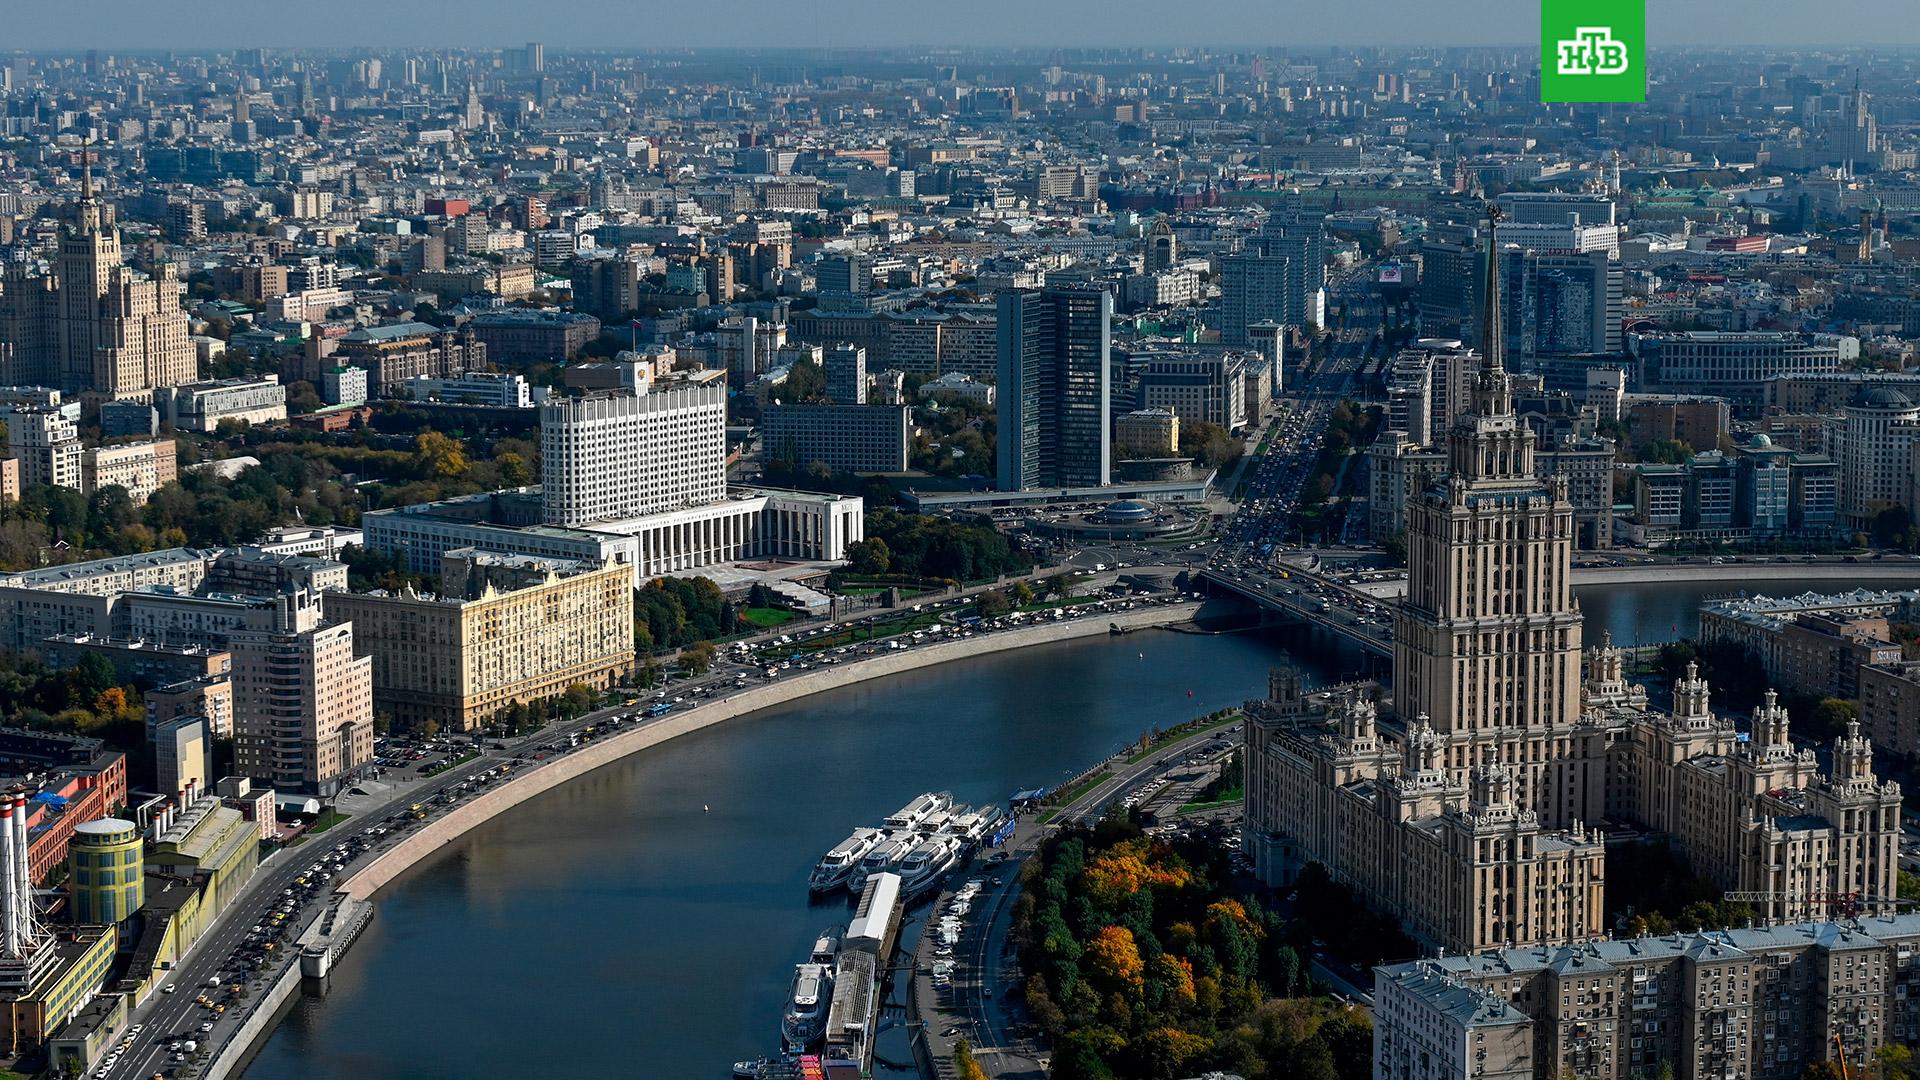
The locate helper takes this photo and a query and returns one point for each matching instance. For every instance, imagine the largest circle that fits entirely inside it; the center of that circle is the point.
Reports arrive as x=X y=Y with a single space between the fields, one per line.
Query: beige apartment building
x=142 y=468
x=1477 y=819
x=1760 y=1003
x=302 y=701
x=504 y=629
x=1147 y=433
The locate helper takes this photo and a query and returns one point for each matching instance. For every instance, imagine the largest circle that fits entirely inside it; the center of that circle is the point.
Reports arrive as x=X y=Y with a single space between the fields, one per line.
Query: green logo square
x=1593 y=50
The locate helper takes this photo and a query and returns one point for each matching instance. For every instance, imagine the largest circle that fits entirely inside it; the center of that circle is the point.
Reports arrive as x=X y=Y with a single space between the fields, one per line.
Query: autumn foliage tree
x=1144 y=963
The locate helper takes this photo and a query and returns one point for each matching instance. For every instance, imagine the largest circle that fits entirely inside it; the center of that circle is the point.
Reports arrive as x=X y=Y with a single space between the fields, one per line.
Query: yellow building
x=104 y=872
x=78 y=969
x=209 y=838
x=179 y=910
x=505 y=629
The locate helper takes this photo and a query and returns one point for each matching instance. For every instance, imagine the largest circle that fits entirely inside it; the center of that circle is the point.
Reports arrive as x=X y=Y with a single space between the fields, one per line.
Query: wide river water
x=611 y=928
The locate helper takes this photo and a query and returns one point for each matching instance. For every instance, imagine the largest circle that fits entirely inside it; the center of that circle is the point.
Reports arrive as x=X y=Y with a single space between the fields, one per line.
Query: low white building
x=960 y=385
x=201 y=406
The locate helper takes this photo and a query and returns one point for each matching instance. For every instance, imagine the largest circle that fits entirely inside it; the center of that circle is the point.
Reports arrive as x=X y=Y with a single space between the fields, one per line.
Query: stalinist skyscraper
x=1478 y=815
x=1487 y=645
x=94 y=327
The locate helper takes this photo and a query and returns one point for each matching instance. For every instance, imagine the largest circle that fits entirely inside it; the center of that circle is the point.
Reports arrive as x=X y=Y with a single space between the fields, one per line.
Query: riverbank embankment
x=455 y=823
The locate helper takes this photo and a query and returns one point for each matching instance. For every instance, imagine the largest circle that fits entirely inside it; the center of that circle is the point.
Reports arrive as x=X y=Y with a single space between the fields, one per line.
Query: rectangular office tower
x=1055 y=388
x=614 y=456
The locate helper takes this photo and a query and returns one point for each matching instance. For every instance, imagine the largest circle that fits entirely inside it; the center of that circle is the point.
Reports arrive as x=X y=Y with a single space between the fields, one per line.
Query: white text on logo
x=1593 y=50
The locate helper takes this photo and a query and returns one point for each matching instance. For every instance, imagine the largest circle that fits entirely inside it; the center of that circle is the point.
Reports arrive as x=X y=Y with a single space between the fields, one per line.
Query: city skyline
x=864 y=24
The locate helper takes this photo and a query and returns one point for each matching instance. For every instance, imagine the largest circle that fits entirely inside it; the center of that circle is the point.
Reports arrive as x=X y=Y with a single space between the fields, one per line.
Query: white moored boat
x=838 y=864
x=886 y=855
x=911 y=815
x=930 y=858
x=806 y=1016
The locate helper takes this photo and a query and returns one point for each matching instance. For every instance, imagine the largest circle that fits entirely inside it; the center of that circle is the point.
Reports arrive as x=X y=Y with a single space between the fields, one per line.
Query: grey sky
x=187 y=24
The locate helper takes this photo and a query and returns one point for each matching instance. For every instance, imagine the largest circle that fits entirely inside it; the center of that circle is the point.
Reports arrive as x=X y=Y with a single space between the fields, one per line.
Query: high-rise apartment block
x=1279 y=277
x=1560 y=304
x=846 y=374
x=303 y=702
x=46 y=442
x=1055 y=388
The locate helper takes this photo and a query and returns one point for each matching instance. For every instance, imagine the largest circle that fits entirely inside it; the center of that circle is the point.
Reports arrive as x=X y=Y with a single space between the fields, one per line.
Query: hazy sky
x=187 y=24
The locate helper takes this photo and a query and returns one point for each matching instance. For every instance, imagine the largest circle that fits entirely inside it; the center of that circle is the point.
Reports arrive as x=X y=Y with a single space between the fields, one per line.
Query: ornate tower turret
x=1691 y=709
x=1770 y=728
x=1853 y=757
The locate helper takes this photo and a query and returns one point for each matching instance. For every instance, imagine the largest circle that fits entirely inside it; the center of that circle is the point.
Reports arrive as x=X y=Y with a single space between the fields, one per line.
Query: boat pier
x=861 y=971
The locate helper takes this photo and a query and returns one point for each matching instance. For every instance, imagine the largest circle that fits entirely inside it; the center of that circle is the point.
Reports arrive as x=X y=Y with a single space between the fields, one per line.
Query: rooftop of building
x=200 y=829
x=531 y=317
x=1774 y=612
x=116 y=564
x=391 y=332
x=132 y=645
x=1463 y=1004
x=1874 y=396
x=1864 y=933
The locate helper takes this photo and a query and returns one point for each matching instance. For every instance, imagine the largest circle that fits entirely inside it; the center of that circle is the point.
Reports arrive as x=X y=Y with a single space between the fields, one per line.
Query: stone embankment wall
x=450 y=826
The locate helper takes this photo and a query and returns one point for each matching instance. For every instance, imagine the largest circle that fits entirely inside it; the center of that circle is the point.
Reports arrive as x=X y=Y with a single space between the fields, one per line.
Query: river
x=646 y=918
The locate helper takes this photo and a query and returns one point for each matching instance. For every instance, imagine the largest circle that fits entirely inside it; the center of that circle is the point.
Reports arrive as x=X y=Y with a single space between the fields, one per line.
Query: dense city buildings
x=378 y=401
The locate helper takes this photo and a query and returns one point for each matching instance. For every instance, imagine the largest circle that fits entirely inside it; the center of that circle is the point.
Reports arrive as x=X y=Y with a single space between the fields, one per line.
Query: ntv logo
x=1592 y=50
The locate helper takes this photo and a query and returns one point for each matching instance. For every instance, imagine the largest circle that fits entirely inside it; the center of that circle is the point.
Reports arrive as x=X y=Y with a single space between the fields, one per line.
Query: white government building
x=637 y=478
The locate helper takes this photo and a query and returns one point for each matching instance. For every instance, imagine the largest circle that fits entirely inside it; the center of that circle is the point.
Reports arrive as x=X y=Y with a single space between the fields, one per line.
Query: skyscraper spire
x=1491 y=346
x=1493 y=389
x=90 y=219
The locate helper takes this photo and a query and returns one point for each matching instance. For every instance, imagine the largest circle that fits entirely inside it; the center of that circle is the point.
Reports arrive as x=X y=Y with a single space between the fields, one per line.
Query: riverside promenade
x=386 y=863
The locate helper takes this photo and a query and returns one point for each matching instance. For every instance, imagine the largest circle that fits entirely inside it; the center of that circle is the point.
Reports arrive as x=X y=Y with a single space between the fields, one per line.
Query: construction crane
x=1841 y=1048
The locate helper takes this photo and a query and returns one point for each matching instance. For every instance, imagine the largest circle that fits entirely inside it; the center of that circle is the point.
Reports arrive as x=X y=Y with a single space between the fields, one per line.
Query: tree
x=514 y=470
x=441 y=454
x=1665 y=452
x=963 y=1064
x=698 y=657
x=1022 y=594
x=1113 y=960
x=580 y=697
x=991 y=603
x=1832 y=715
x=428 y=727
x=870 y=556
